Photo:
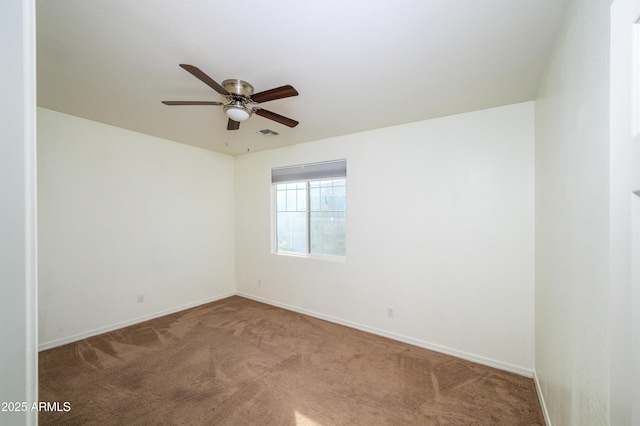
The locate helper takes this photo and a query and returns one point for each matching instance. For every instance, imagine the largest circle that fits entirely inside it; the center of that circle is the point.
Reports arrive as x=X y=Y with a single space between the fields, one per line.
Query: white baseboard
x=415 y=342
x=405 y=339
x=543 y=404
x=70 y=339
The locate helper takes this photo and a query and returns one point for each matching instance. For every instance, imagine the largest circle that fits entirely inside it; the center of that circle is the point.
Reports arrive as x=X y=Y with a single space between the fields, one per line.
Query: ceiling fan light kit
x=237 y=112
x=239 y=95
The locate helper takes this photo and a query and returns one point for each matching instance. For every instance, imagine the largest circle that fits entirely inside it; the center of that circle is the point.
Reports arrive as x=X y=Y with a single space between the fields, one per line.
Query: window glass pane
x=291 y=218
x=291 y=198
x=281 y=200
x=327 y=233
x=291 y=232
x=301 y=198
x=327 y=217
x=314 y=198
x=328 y=199
x=340 y=196
x=332 y=196
x=291 y=201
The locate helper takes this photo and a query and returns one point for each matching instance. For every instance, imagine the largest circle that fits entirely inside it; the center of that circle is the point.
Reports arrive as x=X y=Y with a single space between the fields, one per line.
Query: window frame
x=307 y=212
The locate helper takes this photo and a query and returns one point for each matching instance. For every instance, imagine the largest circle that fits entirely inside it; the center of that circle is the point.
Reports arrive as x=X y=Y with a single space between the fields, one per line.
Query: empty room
x=333 y=213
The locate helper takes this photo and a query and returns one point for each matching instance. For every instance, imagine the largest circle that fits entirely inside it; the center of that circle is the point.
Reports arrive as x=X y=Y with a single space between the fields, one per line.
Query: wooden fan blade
x=191 y=103
x=276 y=117
x=200 y=75
x=233 y=125
x=273 y=94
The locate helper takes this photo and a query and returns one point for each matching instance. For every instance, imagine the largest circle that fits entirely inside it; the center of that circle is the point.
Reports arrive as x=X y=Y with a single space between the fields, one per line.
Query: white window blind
x=306 y=172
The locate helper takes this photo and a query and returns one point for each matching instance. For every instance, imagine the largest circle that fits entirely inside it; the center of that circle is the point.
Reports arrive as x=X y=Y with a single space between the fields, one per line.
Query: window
x=310 y=209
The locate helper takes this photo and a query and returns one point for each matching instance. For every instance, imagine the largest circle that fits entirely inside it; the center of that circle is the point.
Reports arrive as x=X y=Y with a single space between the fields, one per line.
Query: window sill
x=312 y=256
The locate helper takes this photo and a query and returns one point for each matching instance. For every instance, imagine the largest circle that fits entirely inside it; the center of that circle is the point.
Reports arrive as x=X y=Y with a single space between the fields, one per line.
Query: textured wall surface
x=625 y=213
x=18 y=248
x=439 y=226
x=572 y=222
x=122 y=213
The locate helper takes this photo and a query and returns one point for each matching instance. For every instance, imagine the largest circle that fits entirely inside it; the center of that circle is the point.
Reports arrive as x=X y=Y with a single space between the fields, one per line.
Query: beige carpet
x=240 y=362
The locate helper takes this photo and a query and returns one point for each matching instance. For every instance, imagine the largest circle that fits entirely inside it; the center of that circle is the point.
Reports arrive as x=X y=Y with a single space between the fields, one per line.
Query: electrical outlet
x=259 y=283
x=140 y=297
x=390 y=311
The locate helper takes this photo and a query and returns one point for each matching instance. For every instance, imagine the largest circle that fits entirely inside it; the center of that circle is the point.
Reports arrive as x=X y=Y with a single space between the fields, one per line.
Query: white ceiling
x=358 y=65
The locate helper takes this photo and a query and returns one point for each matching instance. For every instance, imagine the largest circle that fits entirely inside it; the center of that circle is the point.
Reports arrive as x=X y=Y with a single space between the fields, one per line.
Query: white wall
x=572 y=221
x=18 y=272
x=625 y=216
x=122 y=213
x=440 y=226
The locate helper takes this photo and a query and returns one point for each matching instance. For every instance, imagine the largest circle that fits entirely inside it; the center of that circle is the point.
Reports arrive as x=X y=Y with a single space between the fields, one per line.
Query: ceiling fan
x=240 y=97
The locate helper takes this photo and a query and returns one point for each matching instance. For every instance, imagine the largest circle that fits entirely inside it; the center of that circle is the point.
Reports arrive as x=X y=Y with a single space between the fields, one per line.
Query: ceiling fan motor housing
x=238 y=87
